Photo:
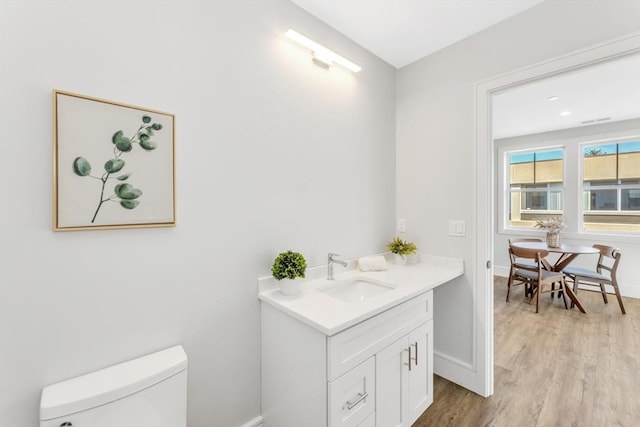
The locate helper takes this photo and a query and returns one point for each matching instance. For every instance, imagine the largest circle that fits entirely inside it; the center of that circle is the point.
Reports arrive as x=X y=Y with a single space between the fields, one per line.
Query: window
x=611 y=186
x=594 y=187
x=535 y=186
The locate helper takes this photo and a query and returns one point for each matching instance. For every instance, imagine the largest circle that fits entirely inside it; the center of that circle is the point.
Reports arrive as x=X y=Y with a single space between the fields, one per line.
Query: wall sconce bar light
x=321 y=55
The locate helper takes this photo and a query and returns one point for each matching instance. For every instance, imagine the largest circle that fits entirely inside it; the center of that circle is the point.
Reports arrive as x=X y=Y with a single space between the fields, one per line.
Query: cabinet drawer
x=352 y=397
x=356 y=344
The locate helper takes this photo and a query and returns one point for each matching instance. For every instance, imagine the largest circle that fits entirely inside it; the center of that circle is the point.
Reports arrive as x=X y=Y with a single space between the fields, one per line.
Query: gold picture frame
x=113 y=165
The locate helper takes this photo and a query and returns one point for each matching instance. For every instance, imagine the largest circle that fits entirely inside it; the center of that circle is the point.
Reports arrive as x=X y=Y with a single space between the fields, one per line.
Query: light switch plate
x=402 y=225
x=457 y=228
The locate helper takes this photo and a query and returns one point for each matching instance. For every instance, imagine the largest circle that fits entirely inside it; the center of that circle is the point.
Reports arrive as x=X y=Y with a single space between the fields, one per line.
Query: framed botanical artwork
x=113 y=165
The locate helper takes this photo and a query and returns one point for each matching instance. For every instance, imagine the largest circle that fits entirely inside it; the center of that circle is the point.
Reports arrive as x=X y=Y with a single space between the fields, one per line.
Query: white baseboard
x=625 y=290
x=256 y=422
x=629 y=291
x=501 y=271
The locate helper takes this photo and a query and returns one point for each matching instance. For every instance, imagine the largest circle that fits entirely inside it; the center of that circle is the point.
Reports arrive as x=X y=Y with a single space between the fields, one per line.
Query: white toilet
x=150 y=391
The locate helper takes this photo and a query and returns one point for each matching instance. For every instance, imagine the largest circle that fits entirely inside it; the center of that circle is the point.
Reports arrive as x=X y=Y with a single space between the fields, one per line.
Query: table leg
x=574 y=298
x=564 y=260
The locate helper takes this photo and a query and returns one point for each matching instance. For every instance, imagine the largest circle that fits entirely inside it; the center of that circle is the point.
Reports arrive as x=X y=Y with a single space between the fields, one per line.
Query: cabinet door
x=420 y=394
x=391 y=385
x=369 y=422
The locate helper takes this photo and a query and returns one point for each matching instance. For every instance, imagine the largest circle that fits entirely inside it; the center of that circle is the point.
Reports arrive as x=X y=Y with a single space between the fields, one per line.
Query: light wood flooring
x=555 y=368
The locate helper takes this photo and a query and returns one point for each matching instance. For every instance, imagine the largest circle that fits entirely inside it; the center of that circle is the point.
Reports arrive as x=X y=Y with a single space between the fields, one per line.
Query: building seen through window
x=611 y=186
x=535 y=186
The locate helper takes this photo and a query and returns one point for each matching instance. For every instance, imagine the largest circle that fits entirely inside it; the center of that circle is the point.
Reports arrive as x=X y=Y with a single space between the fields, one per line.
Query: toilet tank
x=150 y=391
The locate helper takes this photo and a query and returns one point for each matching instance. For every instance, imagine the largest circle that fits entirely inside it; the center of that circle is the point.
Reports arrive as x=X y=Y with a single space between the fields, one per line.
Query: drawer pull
x=360 y=398
x=416 y=358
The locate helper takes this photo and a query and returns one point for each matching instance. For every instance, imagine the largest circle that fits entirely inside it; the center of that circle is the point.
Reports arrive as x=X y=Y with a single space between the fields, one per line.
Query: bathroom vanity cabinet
x=378 y=372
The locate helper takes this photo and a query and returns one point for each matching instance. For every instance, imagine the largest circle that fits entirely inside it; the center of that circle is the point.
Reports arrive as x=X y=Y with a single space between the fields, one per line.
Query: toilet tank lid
x=109 y=384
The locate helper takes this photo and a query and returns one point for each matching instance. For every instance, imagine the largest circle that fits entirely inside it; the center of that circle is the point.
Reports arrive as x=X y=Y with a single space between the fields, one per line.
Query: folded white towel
x=372 y=263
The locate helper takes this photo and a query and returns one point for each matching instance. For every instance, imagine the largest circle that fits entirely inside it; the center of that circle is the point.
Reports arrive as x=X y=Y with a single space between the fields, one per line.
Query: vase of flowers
x=553 y=227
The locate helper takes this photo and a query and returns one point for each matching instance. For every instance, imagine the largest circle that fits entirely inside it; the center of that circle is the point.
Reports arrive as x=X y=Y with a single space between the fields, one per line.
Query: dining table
x=567 y=254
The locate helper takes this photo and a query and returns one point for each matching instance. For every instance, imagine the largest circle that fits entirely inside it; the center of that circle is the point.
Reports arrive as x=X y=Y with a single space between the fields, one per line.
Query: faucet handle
x=331 y=255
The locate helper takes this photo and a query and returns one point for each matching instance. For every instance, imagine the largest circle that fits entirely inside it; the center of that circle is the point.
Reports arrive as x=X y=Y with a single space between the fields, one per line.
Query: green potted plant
x=287 y=267
x=401 y=249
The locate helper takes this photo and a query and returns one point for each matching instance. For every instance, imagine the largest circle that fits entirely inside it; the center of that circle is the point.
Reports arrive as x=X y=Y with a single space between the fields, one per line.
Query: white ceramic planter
x=290 y=287
x=399 y=259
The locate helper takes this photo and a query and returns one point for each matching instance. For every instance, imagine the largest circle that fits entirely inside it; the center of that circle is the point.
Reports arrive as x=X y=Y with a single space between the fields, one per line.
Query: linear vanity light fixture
x=321 y=55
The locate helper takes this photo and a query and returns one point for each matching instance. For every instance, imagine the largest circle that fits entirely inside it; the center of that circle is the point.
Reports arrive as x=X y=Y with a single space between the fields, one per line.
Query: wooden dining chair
x=539 y=275
x=604 y=274
x=516 y=262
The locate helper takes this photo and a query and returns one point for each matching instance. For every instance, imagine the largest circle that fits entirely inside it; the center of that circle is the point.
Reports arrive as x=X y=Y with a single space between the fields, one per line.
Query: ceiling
x=403 y=31
x=600 y=93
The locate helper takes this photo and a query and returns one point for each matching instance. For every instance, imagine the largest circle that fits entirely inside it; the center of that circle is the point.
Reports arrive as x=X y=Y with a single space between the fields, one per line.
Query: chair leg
x=617 y=291
x=534 y=293
x=537 y=297
x=603 y=291
x=509 y=286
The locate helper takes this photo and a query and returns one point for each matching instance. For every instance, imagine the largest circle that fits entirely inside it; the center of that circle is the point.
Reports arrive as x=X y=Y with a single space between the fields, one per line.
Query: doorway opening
x=486 y=197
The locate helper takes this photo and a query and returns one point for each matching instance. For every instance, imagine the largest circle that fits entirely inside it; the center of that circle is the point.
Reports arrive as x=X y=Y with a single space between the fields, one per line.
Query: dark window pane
x=630 y=182
x=630 y=200
x=603 y=200
x=542 y=187
x=535 y=200
x=592 y=184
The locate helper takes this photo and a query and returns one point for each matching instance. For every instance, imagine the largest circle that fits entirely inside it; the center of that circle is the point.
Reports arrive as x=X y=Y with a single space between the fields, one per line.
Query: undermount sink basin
x=356 y=289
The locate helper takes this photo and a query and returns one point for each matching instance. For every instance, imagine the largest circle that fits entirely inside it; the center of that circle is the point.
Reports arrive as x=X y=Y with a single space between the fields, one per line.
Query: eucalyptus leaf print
x=81 y=166
x=124 y=193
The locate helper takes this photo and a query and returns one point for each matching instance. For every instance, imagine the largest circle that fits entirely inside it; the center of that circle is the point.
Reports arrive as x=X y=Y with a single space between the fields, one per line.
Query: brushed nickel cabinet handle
x=359 y=398
x=416 y=346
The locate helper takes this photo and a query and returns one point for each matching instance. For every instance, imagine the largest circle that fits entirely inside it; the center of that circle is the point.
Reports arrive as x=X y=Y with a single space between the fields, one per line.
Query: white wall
x=435 y=136
x=273 y=153
x=629 y=245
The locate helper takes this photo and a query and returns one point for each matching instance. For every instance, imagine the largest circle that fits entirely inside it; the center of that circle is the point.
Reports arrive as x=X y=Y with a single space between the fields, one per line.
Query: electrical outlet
x=402 y=225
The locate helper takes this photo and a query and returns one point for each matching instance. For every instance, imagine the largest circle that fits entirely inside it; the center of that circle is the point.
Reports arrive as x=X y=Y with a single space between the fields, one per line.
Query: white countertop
x=331 y=315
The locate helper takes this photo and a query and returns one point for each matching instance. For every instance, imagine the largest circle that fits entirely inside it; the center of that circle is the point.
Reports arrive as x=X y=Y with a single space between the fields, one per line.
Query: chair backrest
x=511 y=255
x=538 y=255
x=610 y=253
x=528 y=253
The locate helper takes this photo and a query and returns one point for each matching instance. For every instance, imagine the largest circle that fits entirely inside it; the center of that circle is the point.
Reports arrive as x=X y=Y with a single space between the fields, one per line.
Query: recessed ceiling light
x=565 y=113
x=553 y=98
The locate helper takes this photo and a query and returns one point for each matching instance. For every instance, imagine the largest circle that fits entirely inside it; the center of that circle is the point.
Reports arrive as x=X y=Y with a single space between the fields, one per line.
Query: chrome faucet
x=330 y=263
